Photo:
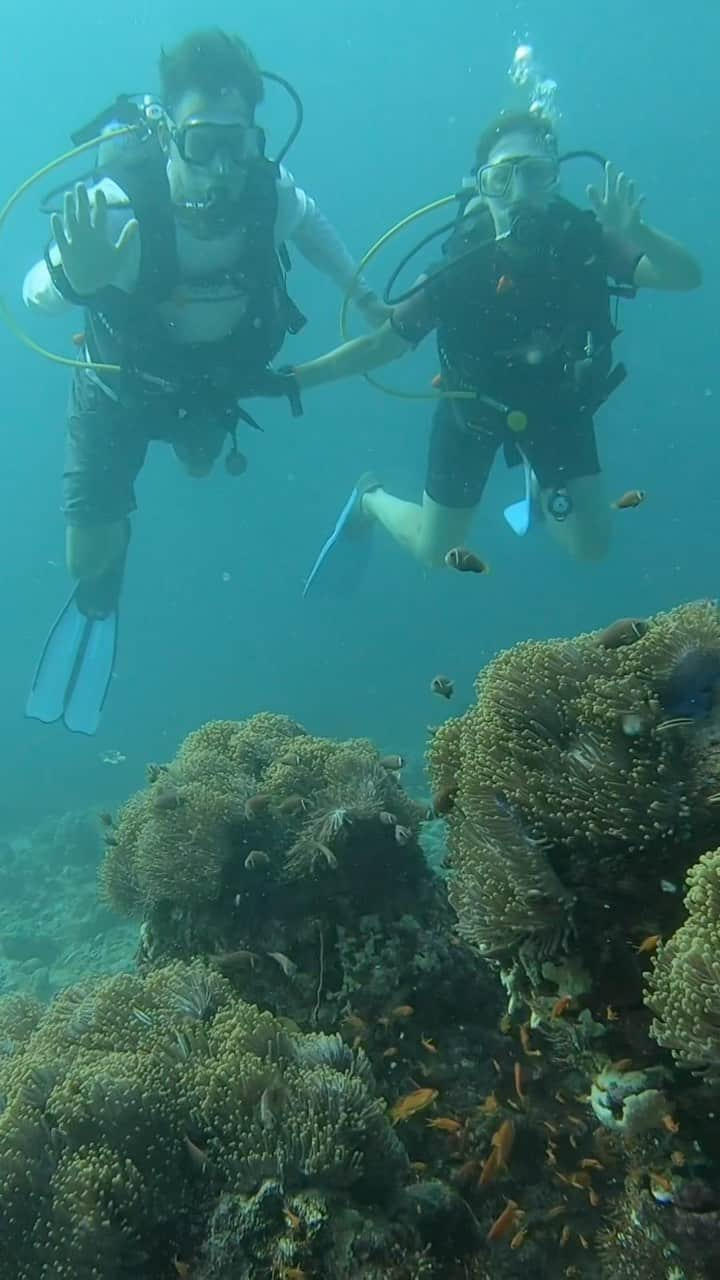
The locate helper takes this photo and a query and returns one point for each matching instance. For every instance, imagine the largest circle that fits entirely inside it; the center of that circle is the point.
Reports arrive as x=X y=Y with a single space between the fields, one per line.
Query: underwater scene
x=360 y=681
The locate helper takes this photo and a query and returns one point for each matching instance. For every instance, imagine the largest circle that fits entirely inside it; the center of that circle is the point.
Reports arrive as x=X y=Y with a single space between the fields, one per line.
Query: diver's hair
x=533 y=122
x=210 y=61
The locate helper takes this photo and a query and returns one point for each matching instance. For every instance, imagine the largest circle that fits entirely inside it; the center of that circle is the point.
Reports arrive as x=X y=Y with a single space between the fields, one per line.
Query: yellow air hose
x=5 y=313
x=368 y=257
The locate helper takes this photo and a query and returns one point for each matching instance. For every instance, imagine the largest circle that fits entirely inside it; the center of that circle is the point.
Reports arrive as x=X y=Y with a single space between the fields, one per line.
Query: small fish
x=468 y=1173
x=256 y=859
x=564 y=1236
x=272 y=1102
x=670 y=1123
x=256 y=805
x=355 y=1023
x=444 y=800
x=106 y=819
x=418 y=1166
x=561 y=1007
x=428 y=1045
x=632 y=498
x=292 y=1219
x=294 y=1273
x=519 y=1080
x=182 y=1268
x=392 y=1052
x=230 y=961
x=443 y=686
x=387 y=819
x=411 y=1103
x=286 y=964
x=622 y=1065
x=489 y=1169
x=624 y=631
x=502 y=1142
x=649 y=945
x=611 y=1015
x=403 y=835
x=504 y=1221
x=465 y=561
x=489 y=1105
x=519 y=1238
x=445 y=1124
x=590 y=1163
x=292 y=805
x=198 y=1155
x=112 y=757
x=402 y=1011
x=392 y=763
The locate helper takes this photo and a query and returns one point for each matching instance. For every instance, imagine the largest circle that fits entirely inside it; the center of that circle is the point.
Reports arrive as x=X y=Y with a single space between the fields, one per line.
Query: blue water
x=213 y=622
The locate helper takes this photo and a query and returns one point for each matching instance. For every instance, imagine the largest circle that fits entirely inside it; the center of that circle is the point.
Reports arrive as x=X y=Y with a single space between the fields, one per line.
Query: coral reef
x=684 y=986
x=142 y=1113
x=583 y=785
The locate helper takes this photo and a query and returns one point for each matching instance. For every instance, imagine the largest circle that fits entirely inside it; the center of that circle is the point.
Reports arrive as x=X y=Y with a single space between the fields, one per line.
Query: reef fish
x=411 y=1103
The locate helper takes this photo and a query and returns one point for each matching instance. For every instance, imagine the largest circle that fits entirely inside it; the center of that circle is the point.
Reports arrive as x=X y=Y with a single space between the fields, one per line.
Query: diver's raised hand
x=618 y=206
x=90 y=257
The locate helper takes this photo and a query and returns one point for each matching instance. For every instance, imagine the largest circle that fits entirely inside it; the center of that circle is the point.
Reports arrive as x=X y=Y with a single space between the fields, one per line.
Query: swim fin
x=525 y=514
x=343 y=556
x=72 y=678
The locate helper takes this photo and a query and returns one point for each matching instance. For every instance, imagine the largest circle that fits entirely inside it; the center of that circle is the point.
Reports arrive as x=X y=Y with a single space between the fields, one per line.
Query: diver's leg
x=585 y=532
x=458 y=465
x=426 y=531
x=104 y=451
x=566 y=462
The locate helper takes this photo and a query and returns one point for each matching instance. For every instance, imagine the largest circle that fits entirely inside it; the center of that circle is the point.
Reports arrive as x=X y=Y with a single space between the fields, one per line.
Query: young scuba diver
x=179 y=266
x=522 y=312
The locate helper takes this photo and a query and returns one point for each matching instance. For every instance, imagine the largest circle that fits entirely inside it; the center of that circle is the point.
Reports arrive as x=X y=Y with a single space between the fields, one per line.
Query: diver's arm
x=665 y=263
x=39 y=292
x=300 y=220
x=357 y=357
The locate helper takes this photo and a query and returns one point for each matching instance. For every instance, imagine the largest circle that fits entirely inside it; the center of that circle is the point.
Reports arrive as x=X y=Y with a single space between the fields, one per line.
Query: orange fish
x=465 y=561
x=489 y=1105
x=611 y=1014
x=182 y=1268
x=291 y=1218
x=428 y=1045
x=632 y=498
x=519 y=1079
x=649 y=944
x=561 y=1007
x=402 y=1011
x=670 y=1123
x=411 y=1103
x=502 y=1142
x=505 y=1221
x=489 y=1169
x=392 y=1052
x=445 y=1124
x=444 y=799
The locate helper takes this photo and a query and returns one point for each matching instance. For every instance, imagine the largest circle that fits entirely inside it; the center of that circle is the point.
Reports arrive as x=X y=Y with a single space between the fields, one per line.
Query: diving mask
x=533 y=175
x=200 y=142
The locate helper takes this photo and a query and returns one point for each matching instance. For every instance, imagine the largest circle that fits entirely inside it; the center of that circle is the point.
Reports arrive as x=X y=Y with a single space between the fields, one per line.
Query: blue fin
x=523 y=515
x=75 y=668
x=344 y=555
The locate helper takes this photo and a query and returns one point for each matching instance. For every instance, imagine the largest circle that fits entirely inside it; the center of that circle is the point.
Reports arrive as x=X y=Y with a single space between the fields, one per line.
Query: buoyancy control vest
x=529 y=332
x=127 y=329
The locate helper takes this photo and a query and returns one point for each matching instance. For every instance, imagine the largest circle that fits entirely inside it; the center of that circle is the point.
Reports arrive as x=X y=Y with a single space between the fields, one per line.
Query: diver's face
x=521 y=174
x=208 y=143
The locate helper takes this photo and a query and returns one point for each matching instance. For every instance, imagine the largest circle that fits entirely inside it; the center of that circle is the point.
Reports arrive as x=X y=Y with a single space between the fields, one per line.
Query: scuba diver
x=176 y=254
x=521 y=306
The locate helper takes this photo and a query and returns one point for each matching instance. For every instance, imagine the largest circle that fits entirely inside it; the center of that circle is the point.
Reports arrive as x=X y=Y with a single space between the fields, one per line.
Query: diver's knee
x=91 y=550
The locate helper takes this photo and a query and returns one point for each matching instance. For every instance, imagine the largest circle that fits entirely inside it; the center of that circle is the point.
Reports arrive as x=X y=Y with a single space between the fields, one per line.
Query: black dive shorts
x=460 y=457
x=105 y=448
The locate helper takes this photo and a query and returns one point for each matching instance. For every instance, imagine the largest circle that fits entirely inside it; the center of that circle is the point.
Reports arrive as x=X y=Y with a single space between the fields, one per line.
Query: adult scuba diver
x=176 y=253
x=522 y=308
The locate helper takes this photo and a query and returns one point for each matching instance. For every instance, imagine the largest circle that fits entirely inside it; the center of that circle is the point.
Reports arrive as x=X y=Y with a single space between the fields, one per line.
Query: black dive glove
x=280 y=382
